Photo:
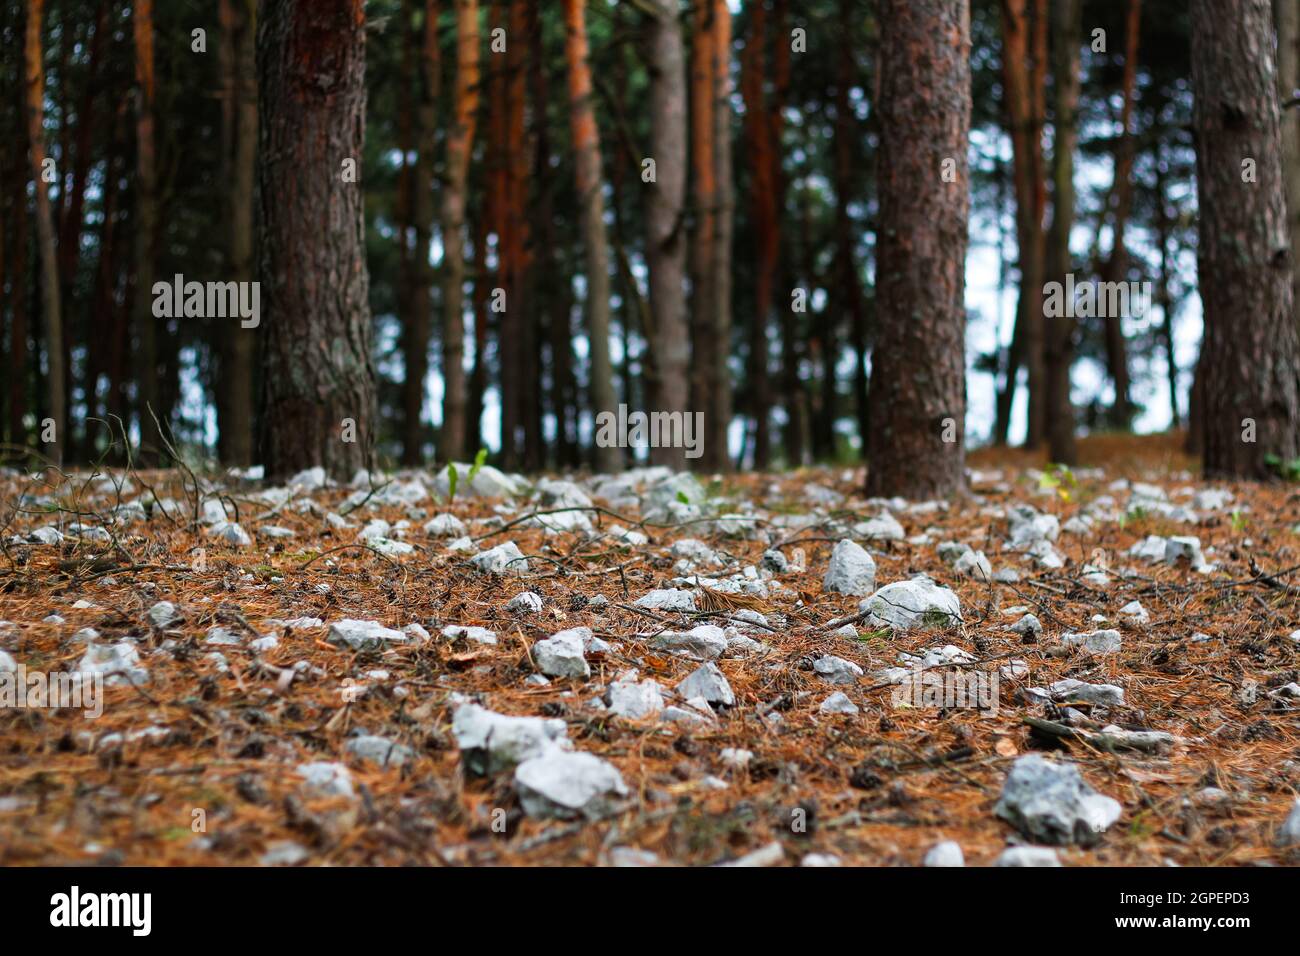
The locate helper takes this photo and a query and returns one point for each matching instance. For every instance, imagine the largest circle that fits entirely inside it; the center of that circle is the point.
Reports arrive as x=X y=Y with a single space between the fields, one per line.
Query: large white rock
x=635 y=699
x=562 y=655
x=505 y=558
x=1289 y=834
x=947 y=853
x=363 y=635
x=488 y=483
x=1095 y=642
x=326 y=779
x=706 y=642
x=667 y=599
x=852 y=570
x=907 y=604
x=883 y=527
x=557 y=783
x=708 y=682
x=1052 y=803
x=490 y=741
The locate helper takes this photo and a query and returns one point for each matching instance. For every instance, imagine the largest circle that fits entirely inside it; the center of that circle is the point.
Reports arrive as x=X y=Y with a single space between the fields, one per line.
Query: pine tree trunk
x=1059 y=331
x=763 y=190
x=51 y=320
x=145 y=229
x=1020 y=66
x=318 y=399
x=1288 y=81
x=460 y=140
x=703 y=174
x=916 y=443
x=1251 y=351
x=18 y=351
x=1120 y=196
x=718 y=414
x=666 y=241
x=238 y=344
x=590 y=187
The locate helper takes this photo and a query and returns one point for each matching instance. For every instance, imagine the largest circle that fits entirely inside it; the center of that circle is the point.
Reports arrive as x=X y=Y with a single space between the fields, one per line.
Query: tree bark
x=666 y=240
x=1287 y=15
x=18 y=351
x=718 y=416
x=1120 y=197
x=703 y=174
x=1023 y=57
x=918 y=376
x=51 y=320
x=318 y=399
x=145 y=229
x=763 y=190
x=1251 y=350
x=590 y=187
x=460 y=140
x=235 y=402
x=1059 y=331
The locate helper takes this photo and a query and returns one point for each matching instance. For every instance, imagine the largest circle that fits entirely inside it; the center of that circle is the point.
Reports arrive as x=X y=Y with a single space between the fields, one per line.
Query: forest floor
x=242 y=723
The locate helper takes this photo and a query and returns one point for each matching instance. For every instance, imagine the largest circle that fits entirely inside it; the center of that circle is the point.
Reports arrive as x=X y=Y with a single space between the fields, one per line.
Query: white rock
x=1135 y=612
x=326 y=779
x=635 y=700
x=705 y=642
x=736 y=758
x=907 y=604
x=1186 y=547
x=1027 y=526
x=838 y=703
x=525 y=602
x=163 y=614
x=852 y=570
x=1289 y=834
x=947 y=853
x=480 y=635
x=503 y=559
x=708 y=682
x=231 y=533
x=558 y=783
x=1028 y=627
x=821 y=859
x=444 y=526
x=1051 y=802
x=836 y=670
x=118 y=663
x=1106 y=695
x=363 y=635
x=1095 y=642
x=1028 y=856
x=491 y=741
x=973 y=564
x=883 y=527
x=7 y=663
x=380 y=750
x=562 y=655
x=667 y=600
